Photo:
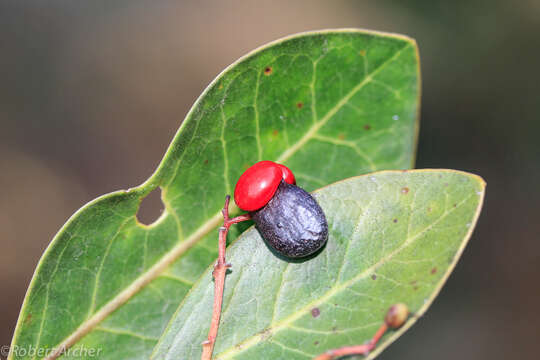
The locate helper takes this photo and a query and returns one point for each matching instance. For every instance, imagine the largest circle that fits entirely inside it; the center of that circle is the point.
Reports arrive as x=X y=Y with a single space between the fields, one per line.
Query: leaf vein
x=98 y=273
x=228 y=353
x=125 y=332
x=289 y=349
x=225 y=156
x=256 y=109
x=46 y=307
x=344 y=100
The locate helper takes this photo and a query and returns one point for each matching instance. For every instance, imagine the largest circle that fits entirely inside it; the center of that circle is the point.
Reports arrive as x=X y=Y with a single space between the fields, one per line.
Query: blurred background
x=92 y=92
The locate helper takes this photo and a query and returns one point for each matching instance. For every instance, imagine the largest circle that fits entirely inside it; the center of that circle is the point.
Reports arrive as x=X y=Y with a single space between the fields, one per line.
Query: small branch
x=356 y=349
x=220 y=270
x=395 y=317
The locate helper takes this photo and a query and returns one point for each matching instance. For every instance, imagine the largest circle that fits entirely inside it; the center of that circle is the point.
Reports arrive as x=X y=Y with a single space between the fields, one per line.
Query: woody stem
x=220 y=270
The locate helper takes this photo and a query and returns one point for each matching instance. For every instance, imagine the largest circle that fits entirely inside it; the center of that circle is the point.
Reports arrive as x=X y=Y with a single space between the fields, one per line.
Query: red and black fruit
x=289 y=219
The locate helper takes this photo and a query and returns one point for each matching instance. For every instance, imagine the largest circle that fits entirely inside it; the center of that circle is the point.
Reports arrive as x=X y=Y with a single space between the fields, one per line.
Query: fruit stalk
x=219 y=272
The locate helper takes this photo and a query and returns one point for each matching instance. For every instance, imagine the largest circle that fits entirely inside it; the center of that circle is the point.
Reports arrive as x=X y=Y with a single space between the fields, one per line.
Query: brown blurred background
x=92 y=92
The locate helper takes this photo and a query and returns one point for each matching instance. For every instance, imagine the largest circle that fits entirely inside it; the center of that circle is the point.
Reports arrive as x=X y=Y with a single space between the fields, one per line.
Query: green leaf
x=329 y=104
x=394 y=237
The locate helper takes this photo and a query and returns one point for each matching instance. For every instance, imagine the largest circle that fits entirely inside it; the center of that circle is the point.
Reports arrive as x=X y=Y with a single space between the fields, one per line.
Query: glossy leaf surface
x=393 y=237
x=329 y=105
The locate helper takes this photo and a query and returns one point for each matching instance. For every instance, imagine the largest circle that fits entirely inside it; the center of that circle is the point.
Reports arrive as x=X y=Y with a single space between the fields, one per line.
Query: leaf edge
x=156 y=178
x=418 y=314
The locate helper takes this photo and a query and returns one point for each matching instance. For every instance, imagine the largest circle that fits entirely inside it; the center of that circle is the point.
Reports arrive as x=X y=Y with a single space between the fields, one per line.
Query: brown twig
x=356 y=349
x=220 y=270
x=395 y=317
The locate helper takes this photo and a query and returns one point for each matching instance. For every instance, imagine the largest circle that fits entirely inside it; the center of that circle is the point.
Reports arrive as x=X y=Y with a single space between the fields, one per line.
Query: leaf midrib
x=154 y=272
x=344 y=100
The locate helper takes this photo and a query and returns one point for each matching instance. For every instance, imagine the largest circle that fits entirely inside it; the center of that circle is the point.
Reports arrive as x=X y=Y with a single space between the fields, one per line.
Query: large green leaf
x=328 y=104
x=394 y=237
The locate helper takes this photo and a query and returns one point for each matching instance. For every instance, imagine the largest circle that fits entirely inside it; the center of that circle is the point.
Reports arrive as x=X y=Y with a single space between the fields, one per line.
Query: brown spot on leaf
x=405 y=190
x=374 y=277
x=334 y=329
x=455 y=205
x=28 y=318
x=395 y=220
x=265 y=334
x=300 y=105
x=362 y=52
x=315 y=312
x=413 y=282
x=220 y=86
x=205 y=161
x=316 y=343
x=415 y=288
x=434 y=271
x=428 y=209
x=367 y=127
x=341 y=136
x=268 y=70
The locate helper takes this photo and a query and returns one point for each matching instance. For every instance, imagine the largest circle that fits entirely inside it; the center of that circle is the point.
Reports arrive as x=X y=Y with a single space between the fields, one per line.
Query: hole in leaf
x=150 y=208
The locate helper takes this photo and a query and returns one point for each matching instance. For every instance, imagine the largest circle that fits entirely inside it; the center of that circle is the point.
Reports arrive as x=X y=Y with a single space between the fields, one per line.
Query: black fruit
x=292 y=222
